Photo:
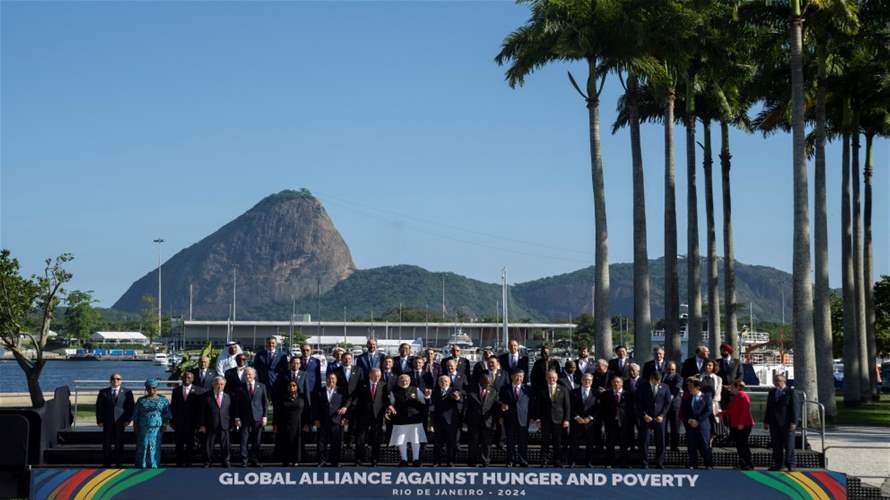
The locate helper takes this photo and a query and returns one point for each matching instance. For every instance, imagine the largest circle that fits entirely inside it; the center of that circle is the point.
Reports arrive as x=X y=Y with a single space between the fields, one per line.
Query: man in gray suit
x=114 y=412
x=252 y=413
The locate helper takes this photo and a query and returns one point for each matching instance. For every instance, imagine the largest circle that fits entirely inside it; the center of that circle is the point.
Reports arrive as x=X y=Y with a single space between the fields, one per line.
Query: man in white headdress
x=226 y=358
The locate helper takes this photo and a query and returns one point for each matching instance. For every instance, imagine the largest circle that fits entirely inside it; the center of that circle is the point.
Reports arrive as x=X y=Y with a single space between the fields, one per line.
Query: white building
x=119 y=338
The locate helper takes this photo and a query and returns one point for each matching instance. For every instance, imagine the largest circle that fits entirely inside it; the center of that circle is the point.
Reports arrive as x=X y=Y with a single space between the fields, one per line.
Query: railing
x=805 y=424
x=96 y=385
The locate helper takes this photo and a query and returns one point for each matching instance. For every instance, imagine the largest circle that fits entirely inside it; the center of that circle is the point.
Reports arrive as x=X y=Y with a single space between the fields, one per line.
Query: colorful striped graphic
x=804 y=485
x=87 y=484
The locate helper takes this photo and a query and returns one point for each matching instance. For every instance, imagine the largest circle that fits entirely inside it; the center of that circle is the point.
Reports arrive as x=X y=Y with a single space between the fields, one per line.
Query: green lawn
x=871 y=413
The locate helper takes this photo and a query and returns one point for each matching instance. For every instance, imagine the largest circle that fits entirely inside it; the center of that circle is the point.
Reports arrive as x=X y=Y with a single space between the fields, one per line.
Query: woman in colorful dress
x=149 y=420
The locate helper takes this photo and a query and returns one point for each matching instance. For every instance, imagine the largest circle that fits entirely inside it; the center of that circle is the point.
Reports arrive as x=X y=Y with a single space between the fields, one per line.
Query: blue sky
x=126 y=121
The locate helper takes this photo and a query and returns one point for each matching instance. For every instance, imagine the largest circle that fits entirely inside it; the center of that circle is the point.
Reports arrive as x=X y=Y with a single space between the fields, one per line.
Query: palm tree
x=713 y=284
x=573 y=30
x=693 y=261
x=852 y=366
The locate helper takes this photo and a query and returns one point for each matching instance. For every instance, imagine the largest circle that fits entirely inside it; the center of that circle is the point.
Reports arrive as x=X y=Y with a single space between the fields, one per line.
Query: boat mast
x=506 y=338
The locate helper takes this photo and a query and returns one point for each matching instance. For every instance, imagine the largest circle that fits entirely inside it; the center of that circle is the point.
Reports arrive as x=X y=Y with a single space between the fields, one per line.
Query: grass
x=875 y=413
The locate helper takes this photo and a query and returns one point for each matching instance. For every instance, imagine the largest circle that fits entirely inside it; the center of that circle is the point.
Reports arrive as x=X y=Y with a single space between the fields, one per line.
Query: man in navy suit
x=554 y=414
x=696 y=411
x=114 y=412
x=652 y=405
x=656 y=364
x=403 y=362
x=462 y=364
x=253 y=414
x=584 y=413
x=370 y=359
x=620 y=364
x=447 y=404
x=185 y=407
x=204 y=374
x=517 y=406
x=312 y=367
x=218 y=417
x=781 y=418
x=270 y=364
x=459 y=380
x=330 y=407
x=513 y=360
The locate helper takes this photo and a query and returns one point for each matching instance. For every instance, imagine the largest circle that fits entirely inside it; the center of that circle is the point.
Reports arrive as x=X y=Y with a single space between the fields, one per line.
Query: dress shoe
x=206 y=466
x=403 y=463
x=415 y=463
x=227 y=465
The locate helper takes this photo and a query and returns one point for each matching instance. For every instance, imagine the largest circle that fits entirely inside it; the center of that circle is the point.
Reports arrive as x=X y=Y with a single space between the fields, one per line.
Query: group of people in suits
x=611 y=408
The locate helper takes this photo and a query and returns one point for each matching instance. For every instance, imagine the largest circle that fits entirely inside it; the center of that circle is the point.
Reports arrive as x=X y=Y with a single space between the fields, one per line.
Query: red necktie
x=374 y=391
x=482 y=395
x=219 y=400
x=251 y=390
x=516 y=392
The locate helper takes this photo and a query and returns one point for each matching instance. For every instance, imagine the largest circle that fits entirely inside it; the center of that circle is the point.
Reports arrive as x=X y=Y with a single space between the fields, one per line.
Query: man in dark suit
x=462 y=364
x=696 y=411
x=656 y=364
x=430 y=366
x=480 y=414
x=584 y=412
x=513 y=360
x=781 y=418
x=602 y=382
x=186 y=407
x=447 y=404
x=235 y=376
x=554 y=411
x=330 y=407
x=541 y=366
x=253 y=414
x=204 y=374
x=570 y=376
x=459 y=381
x=218 y=417
x=349 y=379
x=585 y=363
x=630 y=386
x=369 y=411
x=388 y=374
x=517 y=405
x=420 y=378
x=675 y=386
x=294 y=373
x=270 y=364
x=653 y=400
x=617 y=420
x=620 y=364
x=403 y=363
x=481 y=366
x=695 y=365
x=312 y=367
x=372 y=358
x=332 y=365
x=729 y=370
x=114 y=412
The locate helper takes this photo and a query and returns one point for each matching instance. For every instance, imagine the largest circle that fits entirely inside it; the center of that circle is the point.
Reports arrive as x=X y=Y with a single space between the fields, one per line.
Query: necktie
x=373 y=390
x=330 y=394
x=481 y=394
x=294 y=376
x=251 y=390
x=185 y=393
x=219 y=400
x=513 y=361
x=114 y=392
x=584 y=394
x=516 y=392
x=552 y=393
x=347 y=372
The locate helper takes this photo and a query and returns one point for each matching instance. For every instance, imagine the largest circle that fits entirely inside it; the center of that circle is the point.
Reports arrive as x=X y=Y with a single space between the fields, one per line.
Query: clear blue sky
x=125 y=121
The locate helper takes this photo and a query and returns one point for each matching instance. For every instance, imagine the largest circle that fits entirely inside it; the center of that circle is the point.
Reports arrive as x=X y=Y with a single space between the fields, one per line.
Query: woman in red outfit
x=738 y=412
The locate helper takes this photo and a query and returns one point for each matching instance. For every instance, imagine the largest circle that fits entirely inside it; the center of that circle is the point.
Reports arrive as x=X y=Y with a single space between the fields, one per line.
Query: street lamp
x=159 y=241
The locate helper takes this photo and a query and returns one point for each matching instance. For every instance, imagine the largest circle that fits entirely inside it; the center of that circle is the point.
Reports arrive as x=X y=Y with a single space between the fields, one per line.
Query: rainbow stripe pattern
x=87 y=484
x=817 y=485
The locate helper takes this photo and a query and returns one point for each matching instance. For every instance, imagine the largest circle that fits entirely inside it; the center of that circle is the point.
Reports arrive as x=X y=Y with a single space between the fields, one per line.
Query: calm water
x=56 y=373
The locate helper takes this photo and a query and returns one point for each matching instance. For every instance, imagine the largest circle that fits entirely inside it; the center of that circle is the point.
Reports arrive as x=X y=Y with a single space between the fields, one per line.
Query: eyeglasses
x=115 y=378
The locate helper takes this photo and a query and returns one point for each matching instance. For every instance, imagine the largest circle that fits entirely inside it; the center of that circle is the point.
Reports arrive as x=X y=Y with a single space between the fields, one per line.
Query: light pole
x=159 y=241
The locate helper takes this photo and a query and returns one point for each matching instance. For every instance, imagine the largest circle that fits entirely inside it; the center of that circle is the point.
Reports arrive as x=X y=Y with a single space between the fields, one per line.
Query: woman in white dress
x=407 y=410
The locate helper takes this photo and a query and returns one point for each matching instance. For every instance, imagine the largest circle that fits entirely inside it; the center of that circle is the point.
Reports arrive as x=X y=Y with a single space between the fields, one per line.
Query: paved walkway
x=873 y=465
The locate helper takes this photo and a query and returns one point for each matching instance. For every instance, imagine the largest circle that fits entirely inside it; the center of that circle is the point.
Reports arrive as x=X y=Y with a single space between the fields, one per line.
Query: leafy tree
x=80 y=318
x=150 y=317
x=882 y=316
x=21 y=297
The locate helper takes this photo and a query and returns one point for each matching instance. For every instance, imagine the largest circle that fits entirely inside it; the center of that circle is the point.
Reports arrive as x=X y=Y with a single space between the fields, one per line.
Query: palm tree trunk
x=852 y=385
x=642 y=312
x=822 y=299
x=858 y=281
x=671 y=280
x=601 y=318
x=713 y=279
x=729 y=298
x=868 y=271
x=693 y=260
x=804 y=344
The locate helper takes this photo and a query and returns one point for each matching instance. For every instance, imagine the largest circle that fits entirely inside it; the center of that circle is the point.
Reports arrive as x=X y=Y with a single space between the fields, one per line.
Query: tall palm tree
x=693 y=260
x=574 y=30
x=858 y=277
x=852 y=366
x=713 y=284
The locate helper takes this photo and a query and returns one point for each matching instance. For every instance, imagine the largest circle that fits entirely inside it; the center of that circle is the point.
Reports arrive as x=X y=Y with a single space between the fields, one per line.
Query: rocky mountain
x=286 y=245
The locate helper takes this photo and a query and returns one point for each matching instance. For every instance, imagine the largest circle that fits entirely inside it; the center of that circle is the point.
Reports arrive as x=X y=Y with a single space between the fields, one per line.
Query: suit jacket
x=498 y=380
x=234 y=383
x=538 y=376
x=690 y=368
x=217 y=418
x=364 y=362
x=584 y=407
x=111 y=411
x=186 y=412
x=391 y=380
x=480 y=412
x=312 y=367
x=519 y=411
x=782 y=408
x=348 y=388
x=423 y=382
x=630 y=386
x=730 y=371
x=254 y=406
x=521 y=365
x=653 y=404
x=433 y=370
x=621 y=371
x=206 y=382
x=649 y=367
x=557 y=409
x=463 y=366
x=367 y=409
x=459 y=381
x=326 y=412
x=303 y=386
x=616 y=414
x=570 y=382
x=398 y=363
x=479 y=368
x=590 y=366
x=674 y=384
x=702 y=414
x=445 y=409
x=602 y=381
x=269 y=366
